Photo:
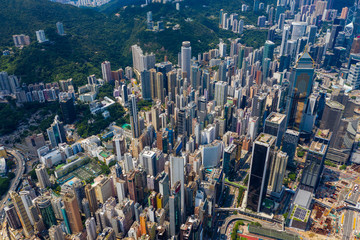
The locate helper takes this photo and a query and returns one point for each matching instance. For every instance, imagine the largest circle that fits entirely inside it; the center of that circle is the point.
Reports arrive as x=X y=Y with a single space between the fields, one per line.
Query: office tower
x=119 y=145
x=91 y=197
x=300 y=90
x=90 y=226
x=222 y=72
x=42 y=176
x=106 y=71
x=261 y=21
x=289 y=144
x=298 y=30
x=277 y=172
x=43 y=203
x=354 y=76
x=269 y=50
x=155 y=112
x=258 y=108
x=142 y=62
x=275 y=125
x=120 y=188
x=160 y=87
x=145 y=85
x=134 y=119
x=344 y=12
x=73 y=212
x=68 y=110
x=314 y=164
x=12 y=217
x=186 y=57
x=175 y=209
x=40 y=35
x=285 y=36
x=177 y=174
x=333 y=113
x=56 y=132
x=256 y=5
x=164 y=187
x=229 y=159
x=312 y=30
x=21 y=212
x=262 y=153
x=221 y=92
x=56 y=233
x=60 y=28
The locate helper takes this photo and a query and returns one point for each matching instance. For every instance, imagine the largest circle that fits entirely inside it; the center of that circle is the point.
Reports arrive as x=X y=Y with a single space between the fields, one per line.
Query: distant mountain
x=93 y=37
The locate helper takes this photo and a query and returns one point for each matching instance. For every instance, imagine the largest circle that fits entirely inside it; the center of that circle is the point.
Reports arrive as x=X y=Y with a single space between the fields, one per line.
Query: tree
x=343 y=167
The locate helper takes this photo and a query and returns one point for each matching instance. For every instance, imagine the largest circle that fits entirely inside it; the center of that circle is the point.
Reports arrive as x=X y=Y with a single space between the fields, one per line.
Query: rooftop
x=336 y=105
x=323 y=133
x=266 y=138
x=319 y=147
x=275 y=117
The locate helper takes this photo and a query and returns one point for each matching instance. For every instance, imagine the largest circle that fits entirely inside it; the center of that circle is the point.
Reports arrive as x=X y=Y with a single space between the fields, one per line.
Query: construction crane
x=328 y=212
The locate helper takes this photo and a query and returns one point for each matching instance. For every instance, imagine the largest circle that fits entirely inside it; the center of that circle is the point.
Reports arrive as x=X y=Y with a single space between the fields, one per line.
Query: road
x=348 y=225
x=18 y=173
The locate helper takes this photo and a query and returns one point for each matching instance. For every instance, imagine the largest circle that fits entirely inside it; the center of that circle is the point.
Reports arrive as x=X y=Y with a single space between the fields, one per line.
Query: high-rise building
x=68 y=110
x=221 y=93
x=23 y=216
x=142 y=62
x=175 y=209
x=12 y=217
x=354 y=76
x=56 y=132
x=134 y=119
x=298 y=30
x=277 y=172
x=106 y=71
x=60 y=28
x=40 y=35
x=91 y=197
x=275 y=126
x=73 y=212
x=43 y=203
x=119 y=145
x=312 y=30
x=160 y=87
x=145 y=85
x=262 y=154
x=90 y=226
x=56 y=233
x=333 y=113
x=289 y=144
x=42 y=176
x=261 y=21
x=21 y=40
x=269 y=50
x=186 y=57
x=314 y=164
x=229 y=159
x=177 y=174
x=300 y=90
x=284 y=39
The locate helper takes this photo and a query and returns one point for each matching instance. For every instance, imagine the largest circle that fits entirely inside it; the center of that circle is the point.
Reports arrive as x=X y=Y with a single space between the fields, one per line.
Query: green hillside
x=93 y=37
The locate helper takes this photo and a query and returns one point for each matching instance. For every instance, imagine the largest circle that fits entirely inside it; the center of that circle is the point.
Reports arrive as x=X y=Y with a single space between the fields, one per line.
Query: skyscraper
x=277 y=172
x=284 y=39
x=40 y=35
x=91 y=197
x=73 y=212
x=21 y=212
x=56 y=233
x=175 y=208
x=300 y=90
x=12 y=217
x=221 y=93
x=275 y=126
x=90 y=226
x=177 y=174
x=142 y=62
x=290 y=141
x=106 y=71
x=269 y=50
x=145 y=85
x=68 y=110
x=229 y=159
x=60 y=28
x=56 y=132
x=333 y=113
x=134 y=119
x=43 y=203
x=298 y=30
x=42 y=176
x=262 y=153
x=186 y=57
